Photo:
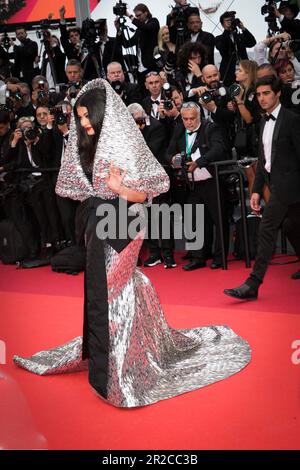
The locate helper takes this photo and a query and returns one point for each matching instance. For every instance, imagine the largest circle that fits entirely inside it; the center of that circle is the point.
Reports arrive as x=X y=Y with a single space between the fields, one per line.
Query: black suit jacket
x=227 y=50
x=207 y=40
x=209 y=140
x=284 y=179
x=145 y=37
x=24 y=56
x=155 y=137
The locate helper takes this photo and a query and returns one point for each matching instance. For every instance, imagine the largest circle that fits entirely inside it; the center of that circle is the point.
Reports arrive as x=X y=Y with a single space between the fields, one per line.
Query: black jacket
x=209 y=140
x=229 y=56
x=59 y=60
x=155 y=137
x=24 y=56
x=284 y=179
x=145 y=37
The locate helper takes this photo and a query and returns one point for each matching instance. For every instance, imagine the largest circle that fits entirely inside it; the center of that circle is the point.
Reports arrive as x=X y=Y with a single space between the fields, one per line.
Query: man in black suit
x=24 y=57
x=144 y=38
x=203 y=144
x=155 y=136
x=129 y=92
x=196 y=34
x=232 y=46
x=279 y=168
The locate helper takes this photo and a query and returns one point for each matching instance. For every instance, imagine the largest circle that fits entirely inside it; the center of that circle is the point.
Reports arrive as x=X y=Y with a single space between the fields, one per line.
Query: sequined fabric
x=148 y=360
x=120 y=142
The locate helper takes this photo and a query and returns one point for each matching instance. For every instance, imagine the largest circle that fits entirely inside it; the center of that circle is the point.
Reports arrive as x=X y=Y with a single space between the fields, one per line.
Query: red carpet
x=256 y=409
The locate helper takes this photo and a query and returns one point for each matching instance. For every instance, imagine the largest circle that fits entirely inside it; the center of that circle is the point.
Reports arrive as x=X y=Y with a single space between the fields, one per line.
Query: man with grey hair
x=155 y=136
x=129 y=92
x=198 y=144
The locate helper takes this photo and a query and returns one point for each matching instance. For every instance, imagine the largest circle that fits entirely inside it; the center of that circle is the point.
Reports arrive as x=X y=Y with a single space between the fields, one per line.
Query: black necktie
x=154 y=102
x=269 y=116
x=192 y=132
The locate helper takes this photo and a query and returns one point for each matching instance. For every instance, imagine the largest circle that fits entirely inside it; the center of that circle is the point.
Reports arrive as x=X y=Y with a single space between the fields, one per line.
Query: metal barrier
x=238 y=171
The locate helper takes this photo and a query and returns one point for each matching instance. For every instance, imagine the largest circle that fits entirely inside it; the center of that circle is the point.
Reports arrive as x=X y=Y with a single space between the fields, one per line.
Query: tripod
x=235 y=56
x=131 y=58
x=48 y=52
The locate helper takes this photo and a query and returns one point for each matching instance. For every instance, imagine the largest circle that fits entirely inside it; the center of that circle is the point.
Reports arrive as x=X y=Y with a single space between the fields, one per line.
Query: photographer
x=144 y=38
x=232 y=45
x=177 y=22
x=214 y=105
x=5 y=136
x=196 y=34
x=61 y=116
x=278 y=50
x=129 y=92
x=70 y=39
x=28 y=152
x=199 y=144
x=170 y=110
x=53 y=61
x=74 y=73
x=154 y=135
x=26 y=108
x=24 y=56
x=286 y=14
x=5 y=65
x=164 y=53
x=192 y=57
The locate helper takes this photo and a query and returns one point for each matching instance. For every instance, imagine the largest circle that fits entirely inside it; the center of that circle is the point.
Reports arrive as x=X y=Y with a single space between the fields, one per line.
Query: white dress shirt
x=200 y=174
x=267 y=138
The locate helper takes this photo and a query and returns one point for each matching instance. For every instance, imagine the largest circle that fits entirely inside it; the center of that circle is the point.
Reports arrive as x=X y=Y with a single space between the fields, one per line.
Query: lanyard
x=188 y=147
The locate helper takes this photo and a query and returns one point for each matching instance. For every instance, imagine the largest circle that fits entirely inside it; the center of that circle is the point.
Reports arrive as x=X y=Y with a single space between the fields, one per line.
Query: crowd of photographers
x=170 y=83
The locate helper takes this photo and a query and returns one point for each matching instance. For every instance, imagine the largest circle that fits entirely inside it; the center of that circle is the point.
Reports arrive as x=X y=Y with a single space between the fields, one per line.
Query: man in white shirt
x=279 y=168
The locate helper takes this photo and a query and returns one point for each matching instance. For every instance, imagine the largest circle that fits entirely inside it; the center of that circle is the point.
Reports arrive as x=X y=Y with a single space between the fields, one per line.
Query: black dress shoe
x=215 y=265
x=187 y=256
x=296 y=275
x=169 y=262
x=194 y=264
x=243 y=292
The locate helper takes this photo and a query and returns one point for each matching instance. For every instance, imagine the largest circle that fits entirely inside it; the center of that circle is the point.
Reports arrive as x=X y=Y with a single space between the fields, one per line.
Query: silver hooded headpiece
x=120 y=143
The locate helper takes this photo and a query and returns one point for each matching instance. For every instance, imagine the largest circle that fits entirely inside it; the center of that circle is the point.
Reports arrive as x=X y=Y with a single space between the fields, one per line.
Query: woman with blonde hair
x=165 y=49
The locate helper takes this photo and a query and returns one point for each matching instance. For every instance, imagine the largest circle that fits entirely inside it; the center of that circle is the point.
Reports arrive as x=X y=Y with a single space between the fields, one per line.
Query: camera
x=159 y=61
x=117 y=86
x=181 y=175
x=211 y=95
x=42 y=96
x=73 y=88
x=30 y=133
x=120 y=8
x=60 y=114
x=215 y=93
x=167 y=96
x=268 y=9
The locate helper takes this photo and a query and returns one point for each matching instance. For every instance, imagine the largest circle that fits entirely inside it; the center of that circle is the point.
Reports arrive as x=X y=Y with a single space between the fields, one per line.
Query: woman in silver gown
x=134 y=358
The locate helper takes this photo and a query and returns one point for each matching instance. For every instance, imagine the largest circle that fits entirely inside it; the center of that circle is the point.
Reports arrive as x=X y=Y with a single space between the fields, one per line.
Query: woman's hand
x=195 y=69
x=115 y=178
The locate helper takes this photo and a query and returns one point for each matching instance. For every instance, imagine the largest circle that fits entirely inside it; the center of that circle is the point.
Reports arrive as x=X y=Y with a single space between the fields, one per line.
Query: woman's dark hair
x=143 y=8
x=185 y=52
x=94 y=100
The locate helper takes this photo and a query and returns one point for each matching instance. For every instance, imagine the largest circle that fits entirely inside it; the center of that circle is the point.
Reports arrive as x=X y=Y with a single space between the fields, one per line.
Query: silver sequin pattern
x=148 y=360
x=120 y=143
